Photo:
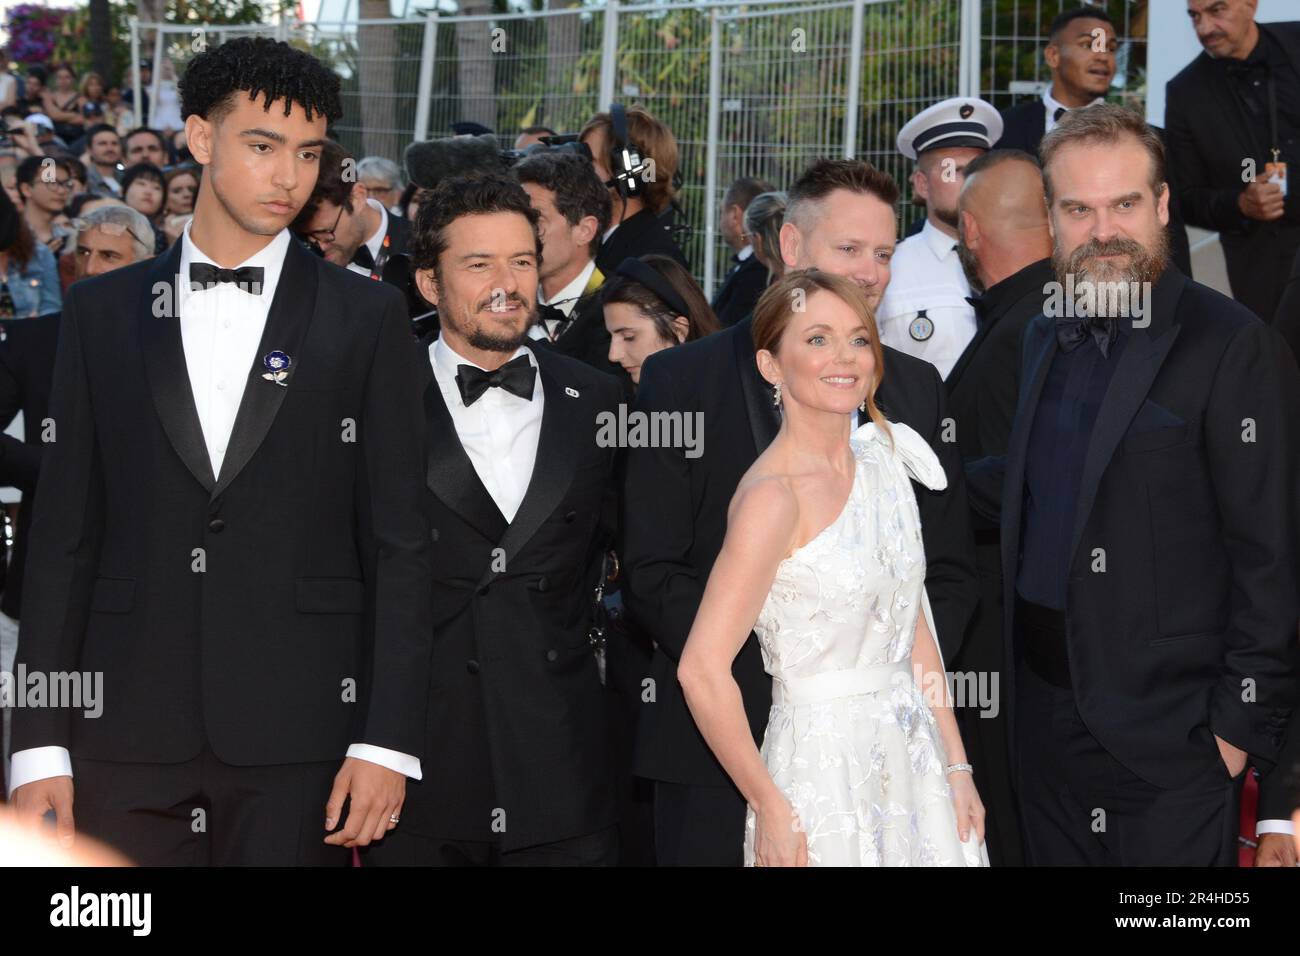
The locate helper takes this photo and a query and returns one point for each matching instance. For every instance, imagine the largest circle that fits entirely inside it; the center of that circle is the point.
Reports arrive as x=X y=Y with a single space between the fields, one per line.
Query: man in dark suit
x=1149 y=529
x=747 y=277
x=1081 y=57
x=641 y=196
x=1279 y=801
x=522 y=507
x=1230 y=113
x=841 y=219
x=1005 y=248
x=228 y=527
x=347 y=226
x=573 y=209
x=108 y=239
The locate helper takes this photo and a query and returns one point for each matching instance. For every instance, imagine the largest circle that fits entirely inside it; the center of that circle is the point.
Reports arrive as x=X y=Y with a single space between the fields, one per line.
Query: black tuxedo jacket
x=740 y=291
x=516 y=716
x=1023 y=128
x=675 y=519
x=585 y=338
x=277 y=612
x=1196 y=610
x=27 y=348
x=637 y=236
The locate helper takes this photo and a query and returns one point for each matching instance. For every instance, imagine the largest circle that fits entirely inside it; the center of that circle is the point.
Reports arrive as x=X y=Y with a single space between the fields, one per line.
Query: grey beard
x=1145 y=263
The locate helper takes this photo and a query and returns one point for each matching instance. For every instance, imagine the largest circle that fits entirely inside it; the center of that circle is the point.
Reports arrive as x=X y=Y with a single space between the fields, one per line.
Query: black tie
x=1060 y=111
x=1071 y=331
x=516 y=377
x=363 y=258
x=204 y=275
x=549 y=313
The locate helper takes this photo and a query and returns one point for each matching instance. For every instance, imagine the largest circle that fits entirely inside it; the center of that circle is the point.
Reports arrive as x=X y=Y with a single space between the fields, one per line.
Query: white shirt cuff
x=37 y=763
x=404 y=764
x=1273 y=826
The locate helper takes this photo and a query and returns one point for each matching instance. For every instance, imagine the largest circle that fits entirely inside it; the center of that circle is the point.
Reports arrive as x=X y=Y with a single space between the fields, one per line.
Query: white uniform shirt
x=924 y=311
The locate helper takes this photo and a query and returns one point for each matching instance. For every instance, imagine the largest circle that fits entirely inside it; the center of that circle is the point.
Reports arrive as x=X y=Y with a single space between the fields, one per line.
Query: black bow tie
x=549 y=313
x=516 y=377
x=204 y=275
x=1071 y=331
x=363 y=258
x=1060 y=111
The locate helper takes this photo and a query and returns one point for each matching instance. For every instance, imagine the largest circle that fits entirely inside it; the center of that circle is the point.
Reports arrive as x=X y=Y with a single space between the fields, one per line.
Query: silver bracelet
x=959 y=768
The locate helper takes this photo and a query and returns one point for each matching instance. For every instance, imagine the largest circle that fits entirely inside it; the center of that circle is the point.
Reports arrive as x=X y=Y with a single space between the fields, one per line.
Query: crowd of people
x=335 y=514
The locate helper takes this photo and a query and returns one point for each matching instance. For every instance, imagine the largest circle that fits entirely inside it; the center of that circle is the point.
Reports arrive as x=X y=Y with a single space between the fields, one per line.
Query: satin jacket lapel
x=1136 y=370
x=166 y=371
x=559 y=449
x=286 y=324
x=451 y=475
x=764 y=419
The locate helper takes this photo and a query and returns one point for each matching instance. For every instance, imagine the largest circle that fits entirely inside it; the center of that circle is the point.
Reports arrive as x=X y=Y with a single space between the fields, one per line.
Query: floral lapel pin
x=277 y=367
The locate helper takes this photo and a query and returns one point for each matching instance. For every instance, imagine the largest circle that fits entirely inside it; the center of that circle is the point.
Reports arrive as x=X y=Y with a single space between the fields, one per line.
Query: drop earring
x=776 y=395
x=863 y=407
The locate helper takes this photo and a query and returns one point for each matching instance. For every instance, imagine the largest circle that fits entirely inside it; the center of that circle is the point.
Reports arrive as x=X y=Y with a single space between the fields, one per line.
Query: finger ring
x=393 y=818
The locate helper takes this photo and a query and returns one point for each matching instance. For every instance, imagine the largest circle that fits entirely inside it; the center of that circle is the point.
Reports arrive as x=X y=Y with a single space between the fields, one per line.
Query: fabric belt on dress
x=834 y=684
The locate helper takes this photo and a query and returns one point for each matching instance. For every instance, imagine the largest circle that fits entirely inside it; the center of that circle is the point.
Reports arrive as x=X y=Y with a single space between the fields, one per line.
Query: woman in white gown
x=862 y=763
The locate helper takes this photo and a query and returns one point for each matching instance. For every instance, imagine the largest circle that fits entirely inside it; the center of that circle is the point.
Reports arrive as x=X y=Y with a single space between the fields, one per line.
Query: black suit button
x=215 y=525
x=542 y=583
x=570 y=516
x=471 y=666
x=483 y=590
x=552 y=655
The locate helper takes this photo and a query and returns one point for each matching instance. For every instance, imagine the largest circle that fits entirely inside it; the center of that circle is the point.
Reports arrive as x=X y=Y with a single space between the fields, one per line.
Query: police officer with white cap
x=924 y=311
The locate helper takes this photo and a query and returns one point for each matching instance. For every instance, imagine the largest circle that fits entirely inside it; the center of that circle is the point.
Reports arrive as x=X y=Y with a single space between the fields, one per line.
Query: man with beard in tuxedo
x=1149 y=509
x=228 y=527
x=840 y=218
x=521 y=503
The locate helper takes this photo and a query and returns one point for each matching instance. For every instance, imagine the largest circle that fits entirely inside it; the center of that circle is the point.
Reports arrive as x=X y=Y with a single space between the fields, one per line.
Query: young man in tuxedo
x=521 y=502
x=1149 y=529
x=229 y=526
x=840 y=218
x=573 y=211
x=747 y=278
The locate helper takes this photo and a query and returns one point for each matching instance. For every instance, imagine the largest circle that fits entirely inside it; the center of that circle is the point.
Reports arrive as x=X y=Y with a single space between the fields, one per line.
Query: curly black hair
x=258 y=66
x=465 y=196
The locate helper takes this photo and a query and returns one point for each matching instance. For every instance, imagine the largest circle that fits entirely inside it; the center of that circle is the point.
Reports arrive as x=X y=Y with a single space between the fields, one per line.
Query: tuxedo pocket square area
x=1155 y=427
x=1152 y=416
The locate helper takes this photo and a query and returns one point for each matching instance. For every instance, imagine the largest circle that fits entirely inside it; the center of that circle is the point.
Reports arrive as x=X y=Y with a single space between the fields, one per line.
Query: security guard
x=925 y=311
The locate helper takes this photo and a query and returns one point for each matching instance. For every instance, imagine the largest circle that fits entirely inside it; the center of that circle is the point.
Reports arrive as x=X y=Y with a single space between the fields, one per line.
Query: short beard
x=488 y=341
x=969 y=264
x=946 y=216
x=1146 y=263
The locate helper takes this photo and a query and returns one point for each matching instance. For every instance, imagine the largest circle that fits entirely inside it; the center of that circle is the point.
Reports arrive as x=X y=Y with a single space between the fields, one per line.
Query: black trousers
x=1080 y=806
x=699 y=826
x=207 y=813
x=414 y=849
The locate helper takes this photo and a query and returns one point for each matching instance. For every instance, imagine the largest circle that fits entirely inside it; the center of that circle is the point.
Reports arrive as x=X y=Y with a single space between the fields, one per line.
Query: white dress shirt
x=1052 y=105
x=745 y=253
x=221 y=328
x=926 y=276
x=376 y=241
x=564 y=300
x=499 y=432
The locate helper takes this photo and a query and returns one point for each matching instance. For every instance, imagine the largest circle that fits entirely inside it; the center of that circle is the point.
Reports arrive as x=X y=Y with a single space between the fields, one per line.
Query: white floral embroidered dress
x=850 y=740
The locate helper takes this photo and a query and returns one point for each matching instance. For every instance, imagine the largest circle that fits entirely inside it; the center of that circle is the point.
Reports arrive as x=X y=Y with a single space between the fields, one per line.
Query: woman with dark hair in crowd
x=62 y=104
x=33 y=98
x=410 y=201
x=145 y=190
x=652 y=303
x=29 y=275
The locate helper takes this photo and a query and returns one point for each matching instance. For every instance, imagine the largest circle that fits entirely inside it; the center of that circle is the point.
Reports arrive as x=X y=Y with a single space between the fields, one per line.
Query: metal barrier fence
x=754 y=89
